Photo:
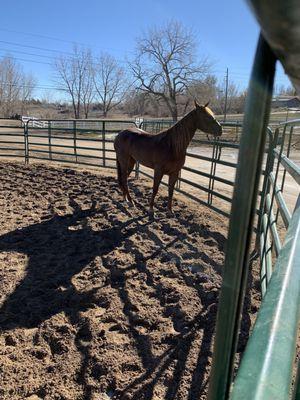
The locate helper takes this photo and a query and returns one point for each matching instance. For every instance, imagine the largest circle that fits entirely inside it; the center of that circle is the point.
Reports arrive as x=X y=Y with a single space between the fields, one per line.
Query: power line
x=41 y=36
x=71 y=55
x=55 y=38
x=33 y=61
x=26 y=53
x=70 y=58
x=235 y=74
x=46 y=88
x=44 y=56
x=35 y=47
x=31 y=86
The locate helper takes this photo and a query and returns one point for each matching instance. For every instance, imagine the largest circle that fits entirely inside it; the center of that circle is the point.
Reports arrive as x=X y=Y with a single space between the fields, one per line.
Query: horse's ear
x=207 y=103
x=196 y=104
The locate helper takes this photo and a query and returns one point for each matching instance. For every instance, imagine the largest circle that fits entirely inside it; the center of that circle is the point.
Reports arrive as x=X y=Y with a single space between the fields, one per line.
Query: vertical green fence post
x=26 y=143
x=241 y=221
x=49 y=140
x=216 y=154
x=103 y=143
x=75 y=139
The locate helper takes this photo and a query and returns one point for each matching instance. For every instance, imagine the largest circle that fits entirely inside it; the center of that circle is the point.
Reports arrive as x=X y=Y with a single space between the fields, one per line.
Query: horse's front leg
x=172 y=180
x=158 y=174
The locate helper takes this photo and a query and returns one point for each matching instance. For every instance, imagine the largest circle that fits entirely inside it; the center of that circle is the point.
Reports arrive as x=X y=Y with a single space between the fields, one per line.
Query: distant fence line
x=90 y=143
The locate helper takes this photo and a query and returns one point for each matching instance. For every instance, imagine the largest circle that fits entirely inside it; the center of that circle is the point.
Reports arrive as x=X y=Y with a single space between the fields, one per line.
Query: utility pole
x=226 y=95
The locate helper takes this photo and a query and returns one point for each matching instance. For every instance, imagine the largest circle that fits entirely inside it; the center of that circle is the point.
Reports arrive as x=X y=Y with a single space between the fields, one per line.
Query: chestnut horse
x=164 y=152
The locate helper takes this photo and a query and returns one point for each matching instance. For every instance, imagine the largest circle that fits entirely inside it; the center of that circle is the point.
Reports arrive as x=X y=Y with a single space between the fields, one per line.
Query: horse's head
x=206 y=120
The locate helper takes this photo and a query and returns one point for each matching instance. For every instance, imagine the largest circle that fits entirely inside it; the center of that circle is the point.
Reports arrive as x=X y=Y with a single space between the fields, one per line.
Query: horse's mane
x=179 y=135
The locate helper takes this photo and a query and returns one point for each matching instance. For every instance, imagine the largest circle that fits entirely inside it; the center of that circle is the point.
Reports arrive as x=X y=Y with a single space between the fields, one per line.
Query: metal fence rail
x=266 y=371
x=91 y=143
x=267 y=368
x=12 y=139
x=77 y=141
x=268 y=361
x=273 y=205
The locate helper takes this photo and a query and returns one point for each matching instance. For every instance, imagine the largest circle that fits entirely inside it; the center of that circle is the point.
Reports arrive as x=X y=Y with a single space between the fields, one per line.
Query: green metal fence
x=86 y=142
x=268 y=362
x=273 y=206
x=263 y=153
x=12 y=138
x=90 y=142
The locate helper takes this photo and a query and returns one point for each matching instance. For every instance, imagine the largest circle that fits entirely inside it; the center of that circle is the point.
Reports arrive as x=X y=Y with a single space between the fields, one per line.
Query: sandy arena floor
x=98 y=300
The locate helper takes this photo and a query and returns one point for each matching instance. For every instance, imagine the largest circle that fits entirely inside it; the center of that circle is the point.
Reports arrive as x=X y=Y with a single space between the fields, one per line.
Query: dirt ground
x=98 y=299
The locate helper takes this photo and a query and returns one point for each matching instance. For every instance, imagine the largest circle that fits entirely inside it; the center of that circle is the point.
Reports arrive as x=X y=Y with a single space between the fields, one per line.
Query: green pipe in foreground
x=267 y=365
x=241 y=220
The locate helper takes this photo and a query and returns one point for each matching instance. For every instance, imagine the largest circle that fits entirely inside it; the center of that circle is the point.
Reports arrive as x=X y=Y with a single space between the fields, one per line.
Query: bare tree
x=26 y=90
x=16 y=87
x=74 y=77
x=88 y=92
x=109 y=81
x=134 y=103
x=205 y=90
x=165 y=63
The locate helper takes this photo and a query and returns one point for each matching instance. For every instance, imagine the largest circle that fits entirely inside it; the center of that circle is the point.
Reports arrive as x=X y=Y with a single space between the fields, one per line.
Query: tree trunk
x=174 y=111
x=172 y=106
x=174 y=114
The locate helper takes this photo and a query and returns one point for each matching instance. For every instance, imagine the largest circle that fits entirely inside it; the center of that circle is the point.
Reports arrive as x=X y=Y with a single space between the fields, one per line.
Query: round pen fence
x=82 y=142
x=12 y=139
x=208 y=177
x=90 y=143
x=251 y=175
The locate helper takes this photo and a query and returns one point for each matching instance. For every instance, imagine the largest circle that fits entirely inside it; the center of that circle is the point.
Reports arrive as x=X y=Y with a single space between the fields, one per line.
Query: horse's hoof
x=170 y=213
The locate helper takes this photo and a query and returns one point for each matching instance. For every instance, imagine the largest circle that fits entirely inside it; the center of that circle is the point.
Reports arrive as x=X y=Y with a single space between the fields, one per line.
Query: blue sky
x=226 y=31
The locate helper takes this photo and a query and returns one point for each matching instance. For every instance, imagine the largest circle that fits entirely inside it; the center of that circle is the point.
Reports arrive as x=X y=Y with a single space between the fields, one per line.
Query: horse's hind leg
x=131 y=163
x=120 y=178
x=172 y=180
x=156 y=181
x=124 y=175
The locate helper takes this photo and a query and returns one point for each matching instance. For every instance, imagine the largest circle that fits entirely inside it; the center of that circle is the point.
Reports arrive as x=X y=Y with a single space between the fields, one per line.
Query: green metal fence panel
x=289 y=165
x=267 y=366
x=241 y=221
x=272 y=222
x=283 y=209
